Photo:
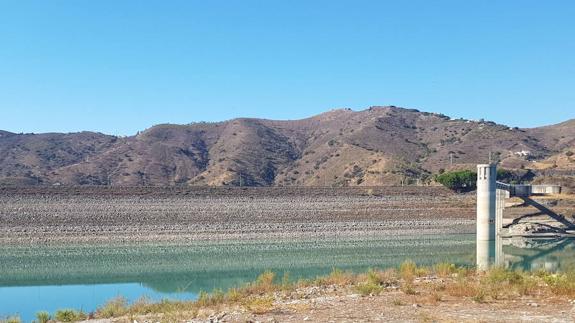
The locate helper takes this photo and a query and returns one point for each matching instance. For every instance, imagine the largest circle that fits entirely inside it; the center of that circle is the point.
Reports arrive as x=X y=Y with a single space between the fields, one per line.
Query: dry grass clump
x=11 y=319
x=211 y=299
x=494 y=284
x=407 y=270
x=368 y=288
x=434 y=297
x=409 y=288
x=422 y=271
x=43 y=317
x=286 y=284
x=385 y=278
x=113 y=308
x=462 y=288
x=140 y=306
x=336 y=277
x=500 y=283
x=263 y=284
x=299 y=307
x=444 y=269
x=248 y=296
x=560 y=284
x=259 y=305
x=234 y=295
x=375 y=281
x=398 y=302
x=166 y=306
x=69 y=315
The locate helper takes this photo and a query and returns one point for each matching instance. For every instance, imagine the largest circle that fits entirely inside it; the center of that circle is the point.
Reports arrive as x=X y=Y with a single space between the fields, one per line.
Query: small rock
x=306 y=318
x=533 y=304
x=416 y=305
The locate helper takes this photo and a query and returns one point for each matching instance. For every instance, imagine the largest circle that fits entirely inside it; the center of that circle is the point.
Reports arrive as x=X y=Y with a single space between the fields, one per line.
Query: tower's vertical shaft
x=486 y=201
x=486 y=211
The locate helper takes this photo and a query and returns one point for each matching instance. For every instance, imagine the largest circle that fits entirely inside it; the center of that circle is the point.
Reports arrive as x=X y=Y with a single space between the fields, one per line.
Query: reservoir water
x=86 y=276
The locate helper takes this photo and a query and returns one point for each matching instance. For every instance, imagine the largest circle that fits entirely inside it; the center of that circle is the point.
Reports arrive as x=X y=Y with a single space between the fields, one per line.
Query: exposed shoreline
x=110 y=215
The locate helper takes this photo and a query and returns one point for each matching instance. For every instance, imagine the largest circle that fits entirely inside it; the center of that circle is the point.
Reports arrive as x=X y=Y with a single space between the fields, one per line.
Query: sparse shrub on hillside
x=460 y=181
x=506 y=176
x=569 y=153
x=514 y=176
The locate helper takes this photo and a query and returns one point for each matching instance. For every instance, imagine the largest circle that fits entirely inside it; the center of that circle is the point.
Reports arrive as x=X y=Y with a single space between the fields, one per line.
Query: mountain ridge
x=382 y=145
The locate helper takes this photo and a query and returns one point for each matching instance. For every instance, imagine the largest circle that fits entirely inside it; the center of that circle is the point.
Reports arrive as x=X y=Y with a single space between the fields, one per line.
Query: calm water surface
x=84 y=277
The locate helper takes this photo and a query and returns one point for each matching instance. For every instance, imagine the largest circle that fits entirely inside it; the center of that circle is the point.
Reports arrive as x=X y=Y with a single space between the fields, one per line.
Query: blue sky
x=120 y=66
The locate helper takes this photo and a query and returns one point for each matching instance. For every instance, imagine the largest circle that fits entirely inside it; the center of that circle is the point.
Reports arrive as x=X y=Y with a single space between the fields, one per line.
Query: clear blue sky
x=120 y=66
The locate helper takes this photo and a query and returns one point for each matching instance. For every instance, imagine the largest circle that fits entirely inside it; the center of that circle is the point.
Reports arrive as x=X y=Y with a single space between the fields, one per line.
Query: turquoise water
x=84 y=277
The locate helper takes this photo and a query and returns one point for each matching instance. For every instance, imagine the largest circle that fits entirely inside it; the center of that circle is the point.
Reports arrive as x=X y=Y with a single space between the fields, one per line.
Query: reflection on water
x=550 y=254
x=49 y=278
x=203 y=266
x=84 y=277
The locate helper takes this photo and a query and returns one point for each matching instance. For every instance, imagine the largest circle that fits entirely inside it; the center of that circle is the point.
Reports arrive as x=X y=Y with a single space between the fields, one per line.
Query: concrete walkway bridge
x=525 y=192
x=491 y=197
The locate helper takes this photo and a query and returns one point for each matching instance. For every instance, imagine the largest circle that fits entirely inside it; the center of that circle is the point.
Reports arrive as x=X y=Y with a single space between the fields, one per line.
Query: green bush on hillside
x=460 y=181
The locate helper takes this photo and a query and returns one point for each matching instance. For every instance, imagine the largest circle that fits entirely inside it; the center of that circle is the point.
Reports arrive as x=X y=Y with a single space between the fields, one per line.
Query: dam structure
x=491 y=196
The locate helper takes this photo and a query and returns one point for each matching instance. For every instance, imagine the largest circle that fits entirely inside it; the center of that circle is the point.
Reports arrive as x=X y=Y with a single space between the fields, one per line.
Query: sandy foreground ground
x=336 y=304
x=396 y=307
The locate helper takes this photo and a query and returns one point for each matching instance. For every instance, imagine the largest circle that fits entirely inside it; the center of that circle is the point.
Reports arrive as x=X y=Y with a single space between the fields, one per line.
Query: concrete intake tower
x=486 y=201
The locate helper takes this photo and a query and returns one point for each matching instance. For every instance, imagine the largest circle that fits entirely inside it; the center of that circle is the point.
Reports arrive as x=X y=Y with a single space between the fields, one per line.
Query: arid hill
x=377 y=146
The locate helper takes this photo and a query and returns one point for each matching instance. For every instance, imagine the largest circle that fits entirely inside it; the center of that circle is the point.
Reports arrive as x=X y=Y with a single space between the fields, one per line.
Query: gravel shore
x=93 y=214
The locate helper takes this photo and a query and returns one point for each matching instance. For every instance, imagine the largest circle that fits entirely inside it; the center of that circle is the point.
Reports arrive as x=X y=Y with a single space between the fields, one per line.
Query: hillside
x=377 y=146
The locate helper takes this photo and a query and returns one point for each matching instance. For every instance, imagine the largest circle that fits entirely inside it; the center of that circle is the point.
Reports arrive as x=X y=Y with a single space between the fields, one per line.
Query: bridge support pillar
x=486 y=202
x=500 y=206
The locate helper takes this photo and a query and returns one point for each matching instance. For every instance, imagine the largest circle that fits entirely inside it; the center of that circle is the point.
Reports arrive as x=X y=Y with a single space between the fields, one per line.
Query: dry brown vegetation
x=408 y=284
